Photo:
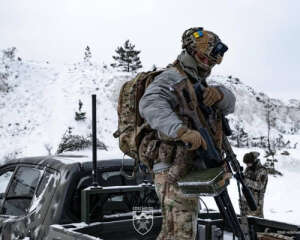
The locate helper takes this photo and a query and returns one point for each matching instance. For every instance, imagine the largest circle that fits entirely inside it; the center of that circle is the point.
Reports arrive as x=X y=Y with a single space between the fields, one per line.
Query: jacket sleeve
x=227 y=104
x=158 y=103
x=260 y=182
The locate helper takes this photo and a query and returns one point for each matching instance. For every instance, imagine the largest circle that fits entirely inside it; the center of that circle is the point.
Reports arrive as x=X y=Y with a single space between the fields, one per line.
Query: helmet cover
x=205 y=46
x=250 y=157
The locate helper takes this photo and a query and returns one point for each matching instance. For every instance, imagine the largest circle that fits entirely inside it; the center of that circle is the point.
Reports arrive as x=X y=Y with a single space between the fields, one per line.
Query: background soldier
x=202 y=50
x=256 y=178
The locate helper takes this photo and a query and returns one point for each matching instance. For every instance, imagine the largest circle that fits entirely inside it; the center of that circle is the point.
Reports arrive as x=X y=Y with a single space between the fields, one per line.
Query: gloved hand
x=192 y=137
x=211 y=95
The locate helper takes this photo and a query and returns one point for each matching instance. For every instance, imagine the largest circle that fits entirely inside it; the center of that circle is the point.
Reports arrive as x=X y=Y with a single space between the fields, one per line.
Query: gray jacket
x=159 y=101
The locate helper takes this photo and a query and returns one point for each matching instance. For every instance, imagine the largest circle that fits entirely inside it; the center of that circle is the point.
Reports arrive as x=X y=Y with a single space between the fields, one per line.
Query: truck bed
x=210 y=227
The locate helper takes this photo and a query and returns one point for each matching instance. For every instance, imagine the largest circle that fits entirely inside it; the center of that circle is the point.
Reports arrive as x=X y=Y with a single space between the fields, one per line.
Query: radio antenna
x=94 y=132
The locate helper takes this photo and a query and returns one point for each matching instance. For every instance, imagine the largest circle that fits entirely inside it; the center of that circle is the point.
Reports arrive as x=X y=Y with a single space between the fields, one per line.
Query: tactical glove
x=212 y=95
x=192 y=137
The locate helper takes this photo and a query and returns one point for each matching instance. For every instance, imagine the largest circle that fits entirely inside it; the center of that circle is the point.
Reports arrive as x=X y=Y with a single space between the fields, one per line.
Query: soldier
x=256 y=178
x=202 y=50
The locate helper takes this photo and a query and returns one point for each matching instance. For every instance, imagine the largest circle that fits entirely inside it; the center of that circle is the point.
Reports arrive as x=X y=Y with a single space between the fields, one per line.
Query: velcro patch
x=198 y=34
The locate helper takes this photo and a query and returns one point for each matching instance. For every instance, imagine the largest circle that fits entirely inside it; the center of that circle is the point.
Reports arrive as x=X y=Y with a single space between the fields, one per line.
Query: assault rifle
x=192 y=107
x=230 y=156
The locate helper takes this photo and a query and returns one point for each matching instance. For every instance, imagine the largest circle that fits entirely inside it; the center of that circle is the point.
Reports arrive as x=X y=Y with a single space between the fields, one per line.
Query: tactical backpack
x=131 y=126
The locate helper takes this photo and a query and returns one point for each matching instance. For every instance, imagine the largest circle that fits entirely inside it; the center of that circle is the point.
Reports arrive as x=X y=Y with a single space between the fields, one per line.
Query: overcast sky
x=263 y=35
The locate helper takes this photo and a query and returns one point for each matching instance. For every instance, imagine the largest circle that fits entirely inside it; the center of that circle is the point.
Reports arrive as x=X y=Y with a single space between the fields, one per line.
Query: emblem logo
x=142 y=219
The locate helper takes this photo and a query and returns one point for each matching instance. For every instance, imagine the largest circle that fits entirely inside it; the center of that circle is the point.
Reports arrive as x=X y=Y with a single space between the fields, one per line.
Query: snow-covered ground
x=41 y=106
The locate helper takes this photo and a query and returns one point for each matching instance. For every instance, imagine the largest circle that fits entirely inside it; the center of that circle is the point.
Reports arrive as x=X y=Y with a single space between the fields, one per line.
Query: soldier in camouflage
x=202 y=50
x=256 y=178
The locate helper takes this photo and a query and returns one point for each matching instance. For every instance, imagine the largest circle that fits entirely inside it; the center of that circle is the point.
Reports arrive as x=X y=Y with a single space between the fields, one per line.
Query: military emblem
x=142 y=219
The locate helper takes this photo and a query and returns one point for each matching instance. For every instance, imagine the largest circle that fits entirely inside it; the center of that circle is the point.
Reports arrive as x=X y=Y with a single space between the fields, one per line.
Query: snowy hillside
x=38 y=101
x=41 y=100
x=40 y=105
x=251 y=111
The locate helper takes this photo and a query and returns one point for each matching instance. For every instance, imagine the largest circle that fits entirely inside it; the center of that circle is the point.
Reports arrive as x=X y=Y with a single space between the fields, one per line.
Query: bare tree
x=48 y=148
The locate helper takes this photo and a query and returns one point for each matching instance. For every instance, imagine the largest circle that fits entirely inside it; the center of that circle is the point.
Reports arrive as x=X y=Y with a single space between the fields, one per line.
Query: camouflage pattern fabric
x=148 y=150
x=131 y=125
x=256 y=178
x=182 y=163
x=204 y=43
x=179 y=213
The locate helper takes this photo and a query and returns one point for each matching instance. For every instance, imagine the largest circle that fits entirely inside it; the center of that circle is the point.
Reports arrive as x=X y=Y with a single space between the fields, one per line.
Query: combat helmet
x=205 y=46
x=250 y=157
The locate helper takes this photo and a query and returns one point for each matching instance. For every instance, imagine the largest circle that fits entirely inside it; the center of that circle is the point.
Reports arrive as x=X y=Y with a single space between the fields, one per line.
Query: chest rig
x=213 y=119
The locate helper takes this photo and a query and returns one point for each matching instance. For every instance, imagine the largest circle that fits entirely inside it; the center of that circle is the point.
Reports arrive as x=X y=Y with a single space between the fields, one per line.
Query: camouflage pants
x=179 y=213
x=245 y=210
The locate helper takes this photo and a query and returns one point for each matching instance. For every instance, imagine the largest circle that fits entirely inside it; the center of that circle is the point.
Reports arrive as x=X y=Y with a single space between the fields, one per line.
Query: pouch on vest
x=148 y=149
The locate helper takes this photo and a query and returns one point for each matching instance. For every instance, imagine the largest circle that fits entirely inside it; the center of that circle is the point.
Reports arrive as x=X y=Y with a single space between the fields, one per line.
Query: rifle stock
x=239 y=176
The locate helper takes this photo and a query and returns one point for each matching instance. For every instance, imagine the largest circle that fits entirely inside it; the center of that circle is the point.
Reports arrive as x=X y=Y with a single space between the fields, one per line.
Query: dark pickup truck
x=52 y=198
x=38 y=192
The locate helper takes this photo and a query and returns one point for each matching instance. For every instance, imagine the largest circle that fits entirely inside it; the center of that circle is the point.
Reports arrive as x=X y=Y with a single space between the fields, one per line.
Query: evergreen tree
x=127 y=58
x=271 y=150
x=87 y=54
x=9 y=53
